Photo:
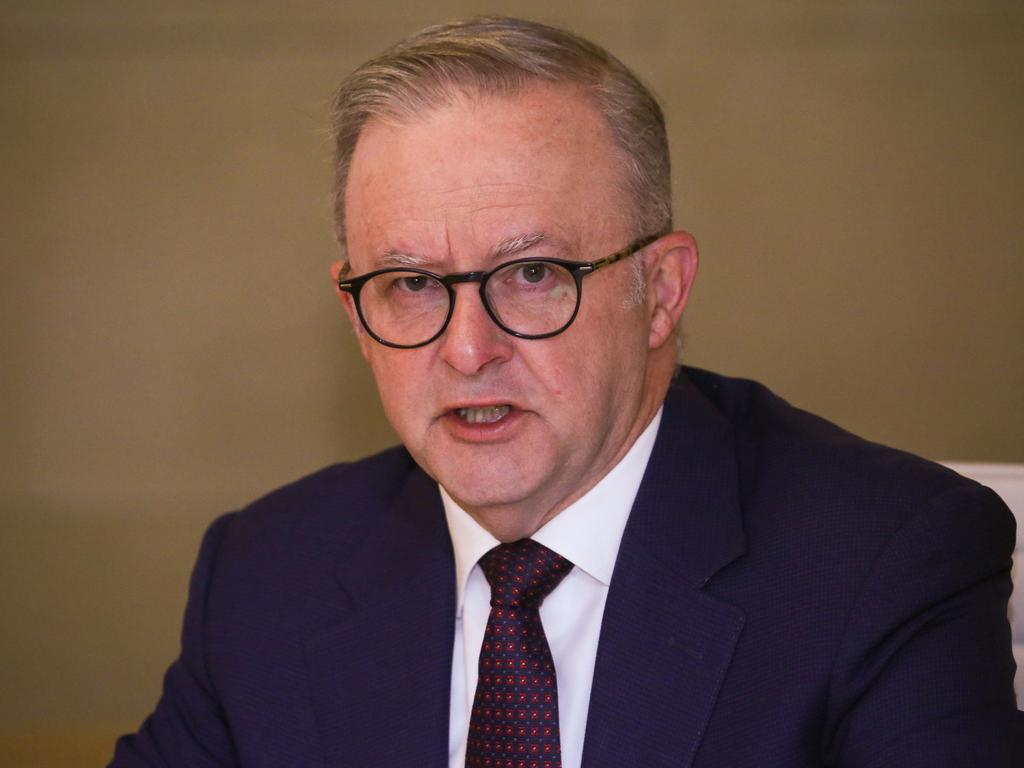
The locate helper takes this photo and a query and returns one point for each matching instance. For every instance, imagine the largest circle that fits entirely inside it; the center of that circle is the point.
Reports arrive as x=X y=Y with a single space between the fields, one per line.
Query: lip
x=462 y=430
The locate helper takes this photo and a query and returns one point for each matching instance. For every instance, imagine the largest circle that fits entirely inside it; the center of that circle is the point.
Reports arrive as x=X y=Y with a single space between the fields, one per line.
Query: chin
x=477 y=490
x=482 y=496
x=497 y=476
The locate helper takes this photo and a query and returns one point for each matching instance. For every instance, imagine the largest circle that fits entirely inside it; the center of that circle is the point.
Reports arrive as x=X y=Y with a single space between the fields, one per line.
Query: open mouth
x=486 y=415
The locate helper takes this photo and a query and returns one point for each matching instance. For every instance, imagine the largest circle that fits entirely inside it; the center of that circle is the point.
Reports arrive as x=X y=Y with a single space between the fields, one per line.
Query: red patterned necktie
x=515 y=710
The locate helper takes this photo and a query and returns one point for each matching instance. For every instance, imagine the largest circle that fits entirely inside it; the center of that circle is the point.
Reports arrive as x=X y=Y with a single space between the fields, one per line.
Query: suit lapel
x=380 y=678
x=665 y=643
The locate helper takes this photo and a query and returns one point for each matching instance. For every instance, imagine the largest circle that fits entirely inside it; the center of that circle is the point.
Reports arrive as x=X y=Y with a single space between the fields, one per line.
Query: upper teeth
x=486 y=415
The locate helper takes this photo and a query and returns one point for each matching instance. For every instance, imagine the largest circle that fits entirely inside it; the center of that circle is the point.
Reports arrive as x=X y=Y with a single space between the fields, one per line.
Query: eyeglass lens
x=528 y=298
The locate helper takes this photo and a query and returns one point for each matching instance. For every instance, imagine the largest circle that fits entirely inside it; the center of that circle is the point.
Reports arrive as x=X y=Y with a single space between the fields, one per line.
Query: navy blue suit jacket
x=785 y=594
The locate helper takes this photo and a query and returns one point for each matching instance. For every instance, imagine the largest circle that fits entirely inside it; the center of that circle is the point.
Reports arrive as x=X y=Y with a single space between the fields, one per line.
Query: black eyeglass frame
x=578 y=270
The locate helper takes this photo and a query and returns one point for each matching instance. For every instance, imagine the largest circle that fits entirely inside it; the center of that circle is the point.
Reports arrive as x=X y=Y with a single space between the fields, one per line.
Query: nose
x=472 y=341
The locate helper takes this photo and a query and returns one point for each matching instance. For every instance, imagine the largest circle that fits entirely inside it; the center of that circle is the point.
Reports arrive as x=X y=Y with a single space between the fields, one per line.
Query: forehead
x=482 y=169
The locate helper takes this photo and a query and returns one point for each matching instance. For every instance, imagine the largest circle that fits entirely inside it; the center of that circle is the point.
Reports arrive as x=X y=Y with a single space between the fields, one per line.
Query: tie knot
x=523 y=573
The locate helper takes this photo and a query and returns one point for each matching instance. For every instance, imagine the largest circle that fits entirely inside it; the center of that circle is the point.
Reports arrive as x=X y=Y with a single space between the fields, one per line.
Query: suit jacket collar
x=665 y=642
x=687 y=511
x=380 y=677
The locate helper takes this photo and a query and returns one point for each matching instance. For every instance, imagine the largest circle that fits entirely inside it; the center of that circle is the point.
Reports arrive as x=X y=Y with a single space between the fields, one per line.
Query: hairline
x=400 y=116
x=396 y=114
x=422 y=73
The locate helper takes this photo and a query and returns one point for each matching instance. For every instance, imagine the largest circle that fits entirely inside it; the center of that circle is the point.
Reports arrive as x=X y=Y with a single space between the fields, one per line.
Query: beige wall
x=170 y=346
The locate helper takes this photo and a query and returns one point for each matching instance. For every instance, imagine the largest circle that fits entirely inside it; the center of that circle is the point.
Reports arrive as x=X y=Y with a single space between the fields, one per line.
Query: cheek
x=570 y=371
x=552 y=370
x=608 y=361
x=399 y=385
x=610 y=334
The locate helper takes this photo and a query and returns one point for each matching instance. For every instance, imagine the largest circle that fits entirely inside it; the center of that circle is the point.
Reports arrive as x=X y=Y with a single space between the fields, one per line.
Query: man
x=581 y=555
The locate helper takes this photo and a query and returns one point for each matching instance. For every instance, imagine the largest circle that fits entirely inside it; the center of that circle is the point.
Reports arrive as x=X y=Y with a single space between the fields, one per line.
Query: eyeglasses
x=527 y=298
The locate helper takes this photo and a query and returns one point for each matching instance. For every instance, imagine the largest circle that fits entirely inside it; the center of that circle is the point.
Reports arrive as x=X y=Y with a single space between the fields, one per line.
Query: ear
x=350 y=306
x=671 y=268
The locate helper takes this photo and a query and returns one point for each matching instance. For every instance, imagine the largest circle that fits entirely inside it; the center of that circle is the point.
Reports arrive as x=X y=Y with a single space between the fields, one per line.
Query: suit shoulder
x=318 y=511
x=805 y=460
x=822 y=509
x=371 y=481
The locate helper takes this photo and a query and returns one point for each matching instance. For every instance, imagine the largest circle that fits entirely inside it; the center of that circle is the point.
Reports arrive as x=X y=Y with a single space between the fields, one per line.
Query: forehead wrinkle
x=477 y=185
x=500 y=193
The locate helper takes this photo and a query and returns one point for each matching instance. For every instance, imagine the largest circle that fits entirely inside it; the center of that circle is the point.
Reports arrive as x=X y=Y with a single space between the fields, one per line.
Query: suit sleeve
x=924 y=676
x=188 y=726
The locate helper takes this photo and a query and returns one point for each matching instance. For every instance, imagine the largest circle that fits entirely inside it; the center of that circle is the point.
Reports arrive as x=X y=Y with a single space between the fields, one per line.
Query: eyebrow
x=395 y=258
x=515 y=245
x=512 y=246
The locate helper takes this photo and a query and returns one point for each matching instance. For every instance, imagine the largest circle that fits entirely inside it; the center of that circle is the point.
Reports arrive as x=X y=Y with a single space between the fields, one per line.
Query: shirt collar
x=587 y=532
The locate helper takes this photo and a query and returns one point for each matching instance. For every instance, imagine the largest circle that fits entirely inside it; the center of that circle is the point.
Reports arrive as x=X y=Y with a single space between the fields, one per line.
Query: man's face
x=449 y=190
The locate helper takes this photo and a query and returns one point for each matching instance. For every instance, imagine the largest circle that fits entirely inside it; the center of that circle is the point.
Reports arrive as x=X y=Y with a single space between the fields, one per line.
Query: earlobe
x=672 y=268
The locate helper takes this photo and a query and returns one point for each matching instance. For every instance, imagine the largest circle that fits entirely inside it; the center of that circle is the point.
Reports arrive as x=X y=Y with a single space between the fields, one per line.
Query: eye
x=412 y=283
x=534 y=272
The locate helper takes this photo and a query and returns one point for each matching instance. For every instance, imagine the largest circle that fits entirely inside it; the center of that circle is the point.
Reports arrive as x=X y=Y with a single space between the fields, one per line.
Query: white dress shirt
x=588 y=534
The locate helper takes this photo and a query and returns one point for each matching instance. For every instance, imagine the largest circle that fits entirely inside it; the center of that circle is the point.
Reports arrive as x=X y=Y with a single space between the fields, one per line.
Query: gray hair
x=500 y=55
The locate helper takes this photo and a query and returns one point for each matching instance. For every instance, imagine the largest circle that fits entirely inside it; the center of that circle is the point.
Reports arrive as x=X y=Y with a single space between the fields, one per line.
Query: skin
x=446 y=189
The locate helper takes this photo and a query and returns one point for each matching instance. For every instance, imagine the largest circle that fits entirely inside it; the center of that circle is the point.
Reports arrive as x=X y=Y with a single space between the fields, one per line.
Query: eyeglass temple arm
x=629 y=250
x=343 y=283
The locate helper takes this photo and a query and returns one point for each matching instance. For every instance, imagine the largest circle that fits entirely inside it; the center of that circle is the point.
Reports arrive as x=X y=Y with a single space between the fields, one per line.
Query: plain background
x=171 y=348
